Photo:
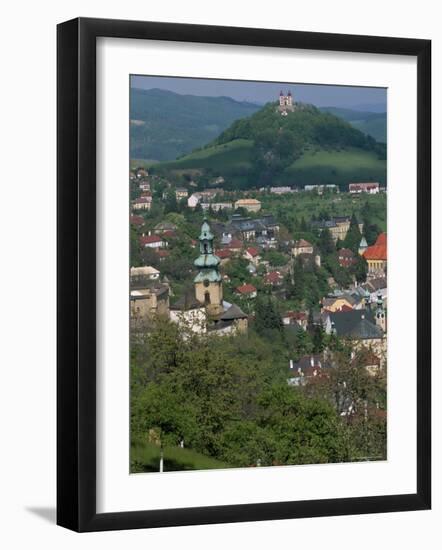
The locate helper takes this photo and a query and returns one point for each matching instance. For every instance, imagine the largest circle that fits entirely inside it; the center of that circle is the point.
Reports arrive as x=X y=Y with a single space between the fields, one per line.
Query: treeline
x=228 y=398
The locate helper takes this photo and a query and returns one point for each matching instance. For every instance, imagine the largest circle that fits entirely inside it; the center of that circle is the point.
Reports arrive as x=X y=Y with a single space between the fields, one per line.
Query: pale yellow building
x=251 y=205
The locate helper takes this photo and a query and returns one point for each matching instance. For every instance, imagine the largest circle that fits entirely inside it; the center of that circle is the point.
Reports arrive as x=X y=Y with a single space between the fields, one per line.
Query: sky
x=371 y=99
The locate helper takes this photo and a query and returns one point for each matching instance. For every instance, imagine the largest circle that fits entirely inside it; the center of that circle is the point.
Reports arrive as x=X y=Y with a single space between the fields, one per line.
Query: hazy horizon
x=321 y=95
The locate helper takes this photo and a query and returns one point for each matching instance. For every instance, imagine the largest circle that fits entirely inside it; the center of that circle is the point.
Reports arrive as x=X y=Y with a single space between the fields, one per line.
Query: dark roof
x=378 y=283
x=358 y=323
x=143 y=282
x=187 y=302
x=234 y=312
x=314 y=360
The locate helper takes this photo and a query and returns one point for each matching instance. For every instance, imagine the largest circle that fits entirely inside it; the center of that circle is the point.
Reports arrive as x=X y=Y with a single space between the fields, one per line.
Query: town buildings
x=251 y=205
x=371 y=188
x=376 y=256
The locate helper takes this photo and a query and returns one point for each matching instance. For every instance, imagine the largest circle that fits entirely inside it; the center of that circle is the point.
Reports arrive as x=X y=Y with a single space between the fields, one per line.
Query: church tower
x=208 y=282
x=381 y=319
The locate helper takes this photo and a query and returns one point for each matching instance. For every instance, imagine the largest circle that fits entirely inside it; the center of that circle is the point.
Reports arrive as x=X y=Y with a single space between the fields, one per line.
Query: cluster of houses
x=357 y=313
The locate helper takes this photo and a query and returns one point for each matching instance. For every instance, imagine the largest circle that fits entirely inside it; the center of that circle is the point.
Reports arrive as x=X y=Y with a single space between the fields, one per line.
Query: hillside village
x=325 y=276
x=298 y=272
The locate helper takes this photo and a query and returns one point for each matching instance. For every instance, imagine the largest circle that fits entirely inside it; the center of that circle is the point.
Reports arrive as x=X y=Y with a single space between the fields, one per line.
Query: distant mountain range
x=165 y=125
x=369 y=122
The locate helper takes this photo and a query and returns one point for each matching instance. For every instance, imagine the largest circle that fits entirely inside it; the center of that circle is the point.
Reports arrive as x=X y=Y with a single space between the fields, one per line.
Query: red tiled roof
x=346 y=253
x=369 y=185
x=246 y=288
x=296 y=315
x=273 y=277
x=150 y=239
x=137 y=220
x=235 y=243
x=224 y=253
x=169 y=233
x=378 y=251
x=252 y=251
x=142 y=200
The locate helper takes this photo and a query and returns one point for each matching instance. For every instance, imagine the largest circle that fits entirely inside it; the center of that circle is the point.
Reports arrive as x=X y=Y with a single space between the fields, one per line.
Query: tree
x=267 y=318
x=326 y=243
x=318 y=340
x=353 y=237
x=303 y=344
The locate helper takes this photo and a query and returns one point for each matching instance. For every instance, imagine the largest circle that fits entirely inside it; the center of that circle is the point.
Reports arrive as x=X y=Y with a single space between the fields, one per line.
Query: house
x=298 y=318
x=230 y=320
x=371 y=188
x=142 y=173
x=309 y=368
x=152 y=241
x=251 y=205
x=144 y=186
x=162 y=227
x=162 y=254
x=346 y=258
x=142 y=203
x=193 y=200
x=338 y=303
x=376 y=256
x=319 y=189
x=281 y=190
x=361 y=326
x=374 y=288
x=147 y=301
x=138 y=221
x=246 y=290
x=302 y=247
x=216 y=206
x=273 y=278
x=235 y=246
x=252 y=255
x=250 y=229
x=224 y=254
x=338 y=226
x=145 y=272
x=181 y=193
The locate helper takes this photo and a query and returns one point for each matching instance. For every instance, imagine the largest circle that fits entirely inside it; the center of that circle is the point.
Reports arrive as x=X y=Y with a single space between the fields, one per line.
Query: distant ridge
x=371 y=123
x=165 y=125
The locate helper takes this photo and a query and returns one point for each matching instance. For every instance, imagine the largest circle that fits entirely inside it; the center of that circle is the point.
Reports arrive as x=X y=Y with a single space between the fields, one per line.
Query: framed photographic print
x=236 y=341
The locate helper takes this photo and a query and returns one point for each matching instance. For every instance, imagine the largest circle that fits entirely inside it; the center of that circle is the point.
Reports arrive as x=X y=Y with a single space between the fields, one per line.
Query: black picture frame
x=76 y=274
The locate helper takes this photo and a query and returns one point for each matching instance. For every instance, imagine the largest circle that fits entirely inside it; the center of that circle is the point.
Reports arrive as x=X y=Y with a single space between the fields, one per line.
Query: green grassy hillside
x=145 y=457
x=336 y=167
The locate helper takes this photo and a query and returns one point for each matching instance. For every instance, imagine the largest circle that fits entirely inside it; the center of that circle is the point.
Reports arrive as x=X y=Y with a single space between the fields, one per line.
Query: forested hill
x=165 y=125
x=291 y=135
x=305 y=147
x=371 y=123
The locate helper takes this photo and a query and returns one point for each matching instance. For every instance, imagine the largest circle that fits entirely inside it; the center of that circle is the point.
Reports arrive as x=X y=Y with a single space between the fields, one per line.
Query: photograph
x=258 y=274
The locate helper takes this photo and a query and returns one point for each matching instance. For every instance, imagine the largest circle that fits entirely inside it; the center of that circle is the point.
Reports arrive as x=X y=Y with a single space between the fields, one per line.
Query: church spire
x=208 y=281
